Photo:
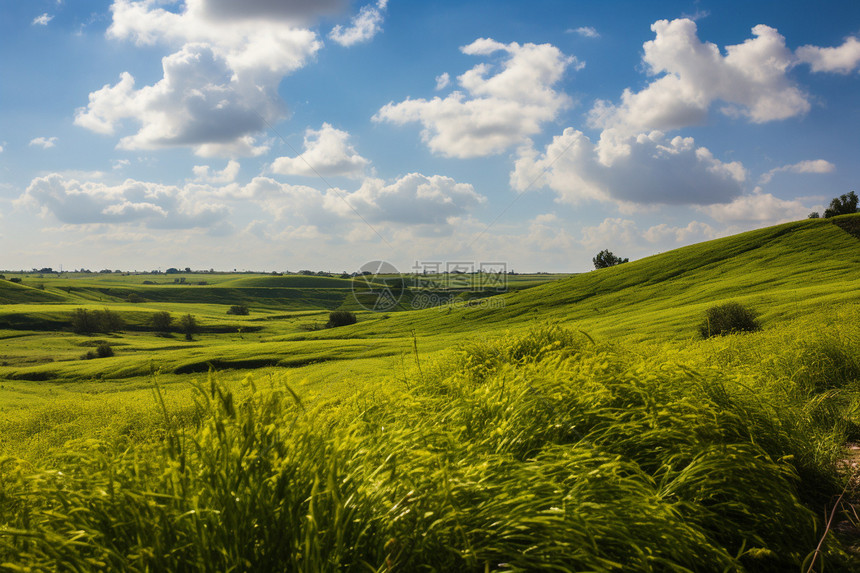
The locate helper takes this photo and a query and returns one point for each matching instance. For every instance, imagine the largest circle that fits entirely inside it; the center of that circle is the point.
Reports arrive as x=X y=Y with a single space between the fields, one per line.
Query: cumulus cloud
x=301 y=12
x=757 y=208
x=220 y=88
x=616 y=233
x=42 y=20
x=808 y=166
x=750 y=80
x=43 y=142
x=227 y=175
x=693 y=232
x=149 y=204
x=841 y=60
x=656 y=170
x=327 y=152
x=412 y=199
x=442 y=81
x=501 y=106
x=585 y=32
x=363 y=27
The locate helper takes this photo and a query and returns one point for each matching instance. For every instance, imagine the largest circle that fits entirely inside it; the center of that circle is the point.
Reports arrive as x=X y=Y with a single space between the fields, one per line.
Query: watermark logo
x=378 y=286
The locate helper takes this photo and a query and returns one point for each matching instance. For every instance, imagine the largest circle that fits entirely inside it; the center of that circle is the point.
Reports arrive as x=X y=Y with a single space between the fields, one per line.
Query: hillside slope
x=782 y=271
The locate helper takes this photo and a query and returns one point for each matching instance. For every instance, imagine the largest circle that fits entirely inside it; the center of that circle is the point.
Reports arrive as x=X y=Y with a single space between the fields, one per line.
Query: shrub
x=134 y=297
x=238 y=309
x=188 y=325
x=727 y=319
x=341 y=318
x=108 y=320
x=84 y=321
x=16 y=280
x=104 y=350
x=162 y=321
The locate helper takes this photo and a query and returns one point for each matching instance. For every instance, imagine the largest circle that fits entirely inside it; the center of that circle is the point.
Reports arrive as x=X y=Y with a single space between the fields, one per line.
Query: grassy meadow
x=571 y=423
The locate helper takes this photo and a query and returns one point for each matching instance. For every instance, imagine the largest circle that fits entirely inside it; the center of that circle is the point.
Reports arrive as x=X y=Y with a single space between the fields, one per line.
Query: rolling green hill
x=580 y=424
x=783 y=271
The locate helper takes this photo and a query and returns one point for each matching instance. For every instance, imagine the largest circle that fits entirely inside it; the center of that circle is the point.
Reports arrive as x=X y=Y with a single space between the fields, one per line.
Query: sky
x=275 y=135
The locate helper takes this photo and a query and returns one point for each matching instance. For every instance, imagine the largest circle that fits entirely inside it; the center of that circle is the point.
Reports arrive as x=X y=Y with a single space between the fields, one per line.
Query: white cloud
x=841 y=60
x=43 y=142
x=626 y=239
x=442 y=81
x=413 y=199
x=326 y=153
x=42 y=20
x=227 y=175
x=611 y=233
x=751 y=80
x=585 y=32
x=501 y=107
x=808 y=166
x=220 y=89
x=296 y=12
x=363 y=27
x=693 y=232
x=656 y=170
x=121 y=163
x=149 y=204
x=759 y=209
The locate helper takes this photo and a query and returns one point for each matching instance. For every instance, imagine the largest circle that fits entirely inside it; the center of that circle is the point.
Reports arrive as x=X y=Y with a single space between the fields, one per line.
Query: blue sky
x=277 y=135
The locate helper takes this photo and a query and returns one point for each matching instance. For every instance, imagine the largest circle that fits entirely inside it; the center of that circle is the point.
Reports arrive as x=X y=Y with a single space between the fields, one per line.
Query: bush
x=188 y=325
x=239 y=309
x=103 y=350
x=16 y=280
x=729 y=318
x=341 y=318
x=110 y=321
x=134 y=297
x=83 y=321
x=162 y=321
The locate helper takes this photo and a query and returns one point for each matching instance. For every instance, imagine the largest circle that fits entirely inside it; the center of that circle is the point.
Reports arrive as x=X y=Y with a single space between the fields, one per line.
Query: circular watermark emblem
x=378 y=286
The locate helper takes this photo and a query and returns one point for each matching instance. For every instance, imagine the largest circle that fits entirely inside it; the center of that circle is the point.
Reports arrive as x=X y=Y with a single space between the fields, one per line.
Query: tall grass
x=538 y=451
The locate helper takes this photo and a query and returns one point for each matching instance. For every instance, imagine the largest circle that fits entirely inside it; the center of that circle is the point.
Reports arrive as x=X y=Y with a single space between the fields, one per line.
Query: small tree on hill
x=605 y=258
x=162 y=321
x=188 y=325
x=83 y=321
x=842 y=205
x=238 y=309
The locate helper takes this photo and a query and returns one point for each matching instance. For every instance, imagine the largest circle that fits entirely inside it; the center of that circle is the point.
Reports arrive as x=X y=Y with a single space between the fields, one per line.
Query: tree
x=605 y=258
x=814 y=215
x=238 y=309
x=161 y=321
x=83 y=321
x=842 y=205
x=188 y=325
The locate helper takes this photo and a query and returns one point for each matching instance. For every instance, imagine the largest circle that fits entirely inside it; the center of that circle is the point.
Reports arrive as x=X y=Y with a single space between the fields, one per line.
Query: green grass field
x=572 y=423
